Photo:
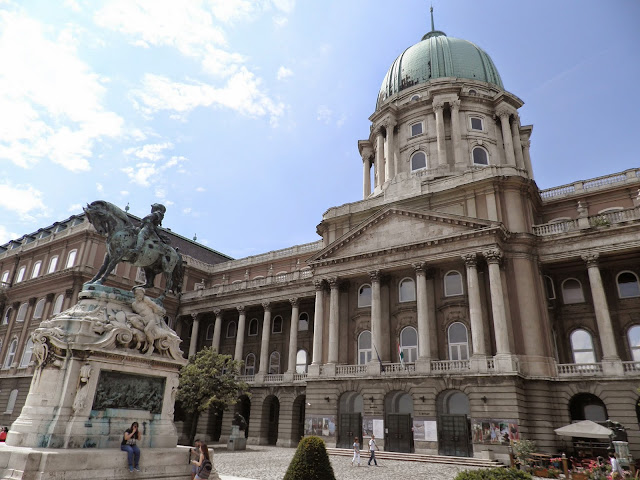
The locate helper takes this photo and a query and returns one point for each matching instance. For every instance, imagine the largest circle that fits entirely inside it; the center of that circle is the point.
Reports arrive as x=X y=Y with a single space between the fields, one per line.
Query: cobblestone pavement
x=271 y=463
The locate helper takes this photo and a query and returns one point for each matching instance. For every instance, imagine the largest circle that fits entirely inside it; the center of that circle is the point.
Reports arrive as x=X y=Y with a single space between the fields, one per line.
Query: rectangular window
x=476 y=123
x=416 y=129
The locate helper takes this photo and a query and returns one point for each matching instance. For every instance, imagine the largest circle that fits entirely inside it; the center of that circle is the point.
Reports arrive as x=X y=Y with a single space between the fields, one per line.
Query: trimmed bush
x=494 y=474
x=310 y=462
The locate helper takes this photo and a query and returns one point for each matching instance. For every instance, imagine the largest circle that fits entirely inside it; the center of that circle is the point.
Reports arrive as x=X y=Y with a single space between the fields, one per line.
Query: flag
x=401 y=356
x=379 y=360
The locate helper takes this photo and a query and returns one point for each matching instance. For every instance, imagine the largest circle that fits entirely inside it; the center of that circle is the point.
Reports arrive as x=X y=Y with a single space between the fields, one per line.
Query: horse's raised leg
x=107 y=259
x=111 y=265
x=150 y=276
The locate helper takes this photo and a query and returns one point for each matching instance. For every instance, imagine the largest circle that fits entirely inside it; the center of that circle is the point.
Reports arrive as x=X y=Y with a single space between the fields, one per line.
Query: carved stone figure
x=148 y=318
x=83 y=388
x=143 y=247
x=240 y=421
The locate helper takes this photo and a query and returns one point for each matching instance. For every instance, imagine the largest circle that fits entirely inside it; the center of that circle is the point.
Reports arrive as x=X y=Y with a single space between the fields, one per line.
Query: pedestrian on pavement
x=356 y=451
x=372 y=450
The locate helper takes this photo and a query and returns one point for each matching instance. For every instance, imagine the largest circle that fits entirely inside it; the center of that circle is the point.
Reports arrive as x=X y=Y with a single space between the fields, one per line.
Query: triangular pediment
x=393 y=228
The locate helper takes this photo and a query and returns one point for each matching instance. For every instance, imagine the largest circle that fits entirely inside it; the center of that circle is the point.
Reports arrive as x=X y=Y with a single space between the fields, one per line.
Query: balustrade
x=566 y=369
x=450 y=365
x=397 y=368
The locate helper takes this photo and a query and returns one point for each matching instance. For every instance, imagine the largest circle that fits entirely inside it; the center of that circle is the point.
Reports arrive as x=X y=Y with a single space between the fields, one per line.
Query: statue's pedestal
x=237 y=440
x=91 y=383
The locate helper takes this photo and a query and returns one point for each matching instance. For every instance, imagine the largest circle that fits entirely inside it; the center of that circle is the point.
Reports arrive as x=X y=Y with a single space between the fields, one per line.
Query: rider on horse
x=150 y=225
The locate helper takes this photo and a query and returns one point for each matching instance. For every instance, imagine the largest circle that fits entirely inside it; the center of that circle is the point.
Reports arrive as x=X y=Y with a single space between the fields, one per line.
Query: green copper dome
x=438 y=56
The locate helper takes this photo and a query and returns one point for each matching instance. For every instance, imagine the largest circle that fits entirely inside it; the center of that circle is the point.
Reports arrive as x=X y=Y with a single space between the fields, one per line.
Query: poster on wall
x=372 y=425
x=425 y=430
x=320 y=426
x=494 y=432
x=378 y=428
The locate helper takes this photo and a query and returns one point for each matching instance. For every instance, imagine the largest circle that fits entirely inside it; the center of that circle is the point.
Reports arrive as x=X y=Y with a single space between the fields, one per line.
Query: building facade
x=454 y=308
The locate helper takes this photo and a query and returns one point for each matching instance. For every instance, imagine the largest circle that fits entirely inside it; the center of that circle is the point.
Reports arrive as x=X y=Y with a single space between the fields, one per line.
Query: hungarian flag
x=401 y=356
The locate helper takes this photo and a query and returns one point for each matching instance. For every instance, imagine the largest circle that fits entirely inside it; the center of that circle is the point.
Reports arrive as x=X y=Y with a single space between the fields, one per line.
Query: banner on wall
x=320 y=426
x=425 y=430
x=494 y=432
x=372 y=425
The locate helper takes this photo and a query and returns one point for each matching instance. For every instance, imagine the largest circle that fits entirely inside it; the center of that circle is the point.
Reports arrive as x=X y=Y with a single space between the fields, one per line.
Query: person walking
x=616 y=469
x=129 y=444
x=372 y=450
x=356 y=451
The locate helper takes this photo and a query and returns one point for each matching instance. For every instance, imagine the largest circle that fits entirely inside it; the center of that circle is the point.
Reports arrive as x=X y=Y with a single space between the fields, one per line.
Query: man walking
x=372 y=450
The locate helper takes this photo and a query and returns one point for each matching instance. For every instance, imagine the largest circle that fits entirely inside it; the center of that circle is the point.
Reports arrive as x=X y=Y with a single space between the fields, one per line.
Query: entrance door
x=453 y=436
x=349 y=428
x=274 y=415
x=399 y=437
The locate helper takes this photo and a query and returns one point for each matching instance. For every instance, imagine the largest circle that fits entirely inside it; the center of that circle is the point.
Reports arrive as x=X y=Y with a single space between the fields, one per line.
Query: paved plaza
x=271 y=463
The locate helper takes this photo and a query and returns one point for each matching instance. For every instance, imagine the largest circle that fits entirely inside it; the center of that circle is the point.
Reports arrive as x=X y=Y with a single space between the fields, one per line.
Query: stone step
x=419 y=457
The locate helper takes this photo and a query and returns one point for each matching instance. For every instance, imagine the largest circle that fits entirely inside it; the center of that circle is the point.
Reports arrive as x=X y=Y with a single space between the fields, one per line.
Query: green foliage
x=522 y=449
x=310 y=462
x=209 y=381
x=494 y=474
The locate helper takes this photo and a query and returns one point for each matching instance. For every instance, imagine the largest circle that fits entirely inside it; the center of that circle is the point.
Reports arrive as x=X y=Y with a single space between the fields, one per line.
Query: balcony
x=579 y=369
x=615 y=217
x=578 y=188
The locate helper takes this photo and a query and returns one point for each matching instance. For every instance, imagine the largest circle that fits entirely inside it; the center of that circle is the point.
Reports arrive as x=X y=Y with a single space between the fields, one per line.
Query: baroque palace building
x=454 y=308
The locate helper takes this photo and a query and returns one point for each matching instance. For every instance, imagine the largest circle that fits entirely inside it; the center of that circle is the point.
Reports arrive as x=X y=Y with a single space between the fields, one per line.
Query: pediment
x=394 y=228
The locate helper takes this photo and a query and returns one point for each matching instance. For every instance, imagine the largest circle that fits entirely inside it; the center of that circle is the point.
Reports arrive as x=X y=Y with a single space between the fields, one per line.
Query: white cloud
x=75 y=208
x=324 y=114
x=6 y=235
x=151 y=151
x=341 y=121
x=284 y=72
x=99 y=188
x=52 y=103
x=186 y=211
x=285 y=6
x=150 y=164
x=280 y=21
x=21 y=199
x=124 y=193
x=200 y=189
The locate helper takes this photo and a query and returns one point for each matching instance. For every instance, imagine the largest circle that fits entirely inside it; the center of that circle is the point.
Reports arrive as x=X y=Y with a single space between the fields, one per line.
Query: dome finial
x=432 y=25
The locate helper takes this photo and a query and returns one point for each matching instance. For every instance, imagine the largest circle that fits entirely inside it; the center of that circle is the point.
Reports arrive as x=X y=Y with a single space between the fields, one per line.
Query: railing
x=299 y=377
x=615 y=216
x=246 y=378
x=600 y=220
x=628 y=175
x=450 y=365
x=395 y=368
x=350 y=370
x=555 y=227
x=556 y=192
x=631 y=366
x=602 y=181
x=274 y=378
x=566 y=369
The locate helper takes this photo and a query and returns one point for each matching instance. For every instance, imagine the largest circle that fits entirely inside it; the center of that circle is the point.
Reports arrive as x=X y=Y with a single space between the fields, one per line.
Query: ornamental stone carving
x=455 y=105
x=293 y=301
x=375 y=276
x=333 y=282
x=420 y=267
x=470 y=260
x=493 y=255
x=437 y=107
x=240 y=309
x=266 y=306
x=217 y=312
x=318 y=284
x=591 y=259
x=80 y=399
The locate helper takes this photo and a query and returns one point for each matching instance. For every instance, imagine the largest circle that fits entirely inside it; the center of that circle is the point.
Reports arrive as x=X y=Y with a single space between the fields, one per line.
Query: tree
x=310 y=462
x=209 y=381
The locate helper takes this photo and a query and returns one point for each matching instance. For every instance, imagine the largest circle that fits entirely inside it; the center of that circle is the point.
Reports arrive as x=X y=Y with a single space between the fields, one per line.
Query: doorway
x=454 y=432
x=349 y=419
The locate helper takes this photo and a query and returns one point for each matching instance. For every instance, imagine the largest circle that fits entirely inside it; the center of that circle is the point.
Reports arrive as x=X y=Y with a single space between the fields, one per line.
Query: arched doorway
x=243 y=407
x=350 y=410
x=271 y=416
x=398 y=408
x=214 y=423
x=585 y=406
x=454 y=432
x=297 y=427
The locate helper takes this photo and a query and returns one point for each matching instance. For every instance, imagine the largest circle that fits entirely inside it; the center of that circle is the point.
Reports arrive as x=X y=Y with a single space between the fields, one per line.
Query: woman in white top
x=356 y=451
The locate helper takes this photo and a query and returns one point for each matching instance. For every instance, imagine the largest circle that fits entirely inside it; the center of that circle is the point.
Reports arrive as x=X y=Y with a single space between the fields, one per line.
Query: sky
x=243 y=116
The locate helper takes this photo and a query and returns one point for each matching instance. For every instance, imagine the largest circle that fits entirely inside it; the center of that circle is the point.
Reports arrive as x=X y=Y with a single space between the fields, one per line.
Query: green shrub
x=494 y=474
x=310 y=461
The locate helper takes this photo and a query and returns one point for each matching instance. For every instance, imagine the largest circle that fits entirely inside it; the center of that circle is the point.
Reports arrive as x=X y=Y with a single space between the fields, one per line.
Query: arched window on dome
x=415 y=98
x=582 y=347
x=628 y=285
x=418 y=161
x=480 y=156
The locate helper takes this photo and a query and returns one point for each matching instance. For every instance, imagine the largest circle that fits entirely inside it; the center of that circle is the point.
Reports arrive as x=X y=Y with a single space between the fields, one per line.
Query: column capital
x=470 y=260
x=455 y=104
x=438 y=106
x=319 y=285
x=266 y=306
x=525 y=143
x=240 y=309
x=503 y=113
x=333 y=282
x=420 y=267
x=194 y=317
x=493 y=256
x=375 y=276
x=50 y=296
x=217 y=312
x=389 y=124
x=591 y=259
x=294 y=301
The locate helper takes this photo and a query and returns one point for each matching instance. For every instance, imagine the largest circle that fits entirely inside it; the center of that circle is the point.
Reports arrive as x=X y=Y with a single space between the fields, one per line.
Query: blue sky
x=243 y=116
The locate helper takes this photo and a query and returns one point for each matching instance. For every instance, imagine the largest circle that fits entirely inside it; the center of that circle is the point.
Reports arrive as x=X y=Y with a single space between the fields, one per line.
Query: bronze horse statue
x=154 y=257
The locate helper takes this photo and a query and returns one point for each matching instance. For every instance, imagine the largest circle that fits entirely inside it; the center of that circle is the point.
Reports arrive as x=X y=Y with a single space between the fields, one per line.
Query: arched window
x=26 y=355
x=71 y=259
x=36 y=269
x=364 y=347
x=303 y=322
x=5 y=277
x=253 y=327
x=231 y=329
x=572 y=291
x=7 y=316
x=634 y=342
x=277 y=325
x=274 y=363
x=37 y=312
x=209 y=335
x=586 y=406
x=364 y=296
x=11 y=353
x=13 y=396
x=628 y=285
x=582 y=347
x=407 y=290
x=480 y=156
x=53 y=263
x=22 y=313
x=301 y=361
x=250 y=364
x=409 y=344
x=549 y=288
x=418 y=161
x=57 y=307
x=458 y=342
x=452 y=284
x=20 y=276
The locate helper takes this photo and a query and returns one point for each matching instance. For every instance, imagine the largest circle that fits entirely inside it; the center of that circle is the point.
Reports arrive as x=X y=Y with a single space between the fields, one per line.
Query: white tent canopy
x=584 y=429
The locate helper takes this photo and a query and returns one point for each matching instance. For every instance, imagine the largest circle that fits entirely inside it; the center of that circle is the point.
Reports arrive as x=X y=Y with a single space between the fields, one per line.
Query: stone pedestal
x=237 y=440
x=101 y=365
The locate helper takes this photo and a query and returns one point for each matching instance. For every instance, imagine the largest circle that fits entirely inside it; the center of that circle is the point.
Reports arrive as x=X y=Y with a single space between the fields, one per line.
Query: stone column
x=475 y=306
x=527 y=157
x=334 y=321
x=293 y=336
x=240 y=334
x=442 y=147
x=266 y=335
x=392 y=167
x=193 y=344
x=217 y=329
x=605 y=329
x=376 y=314
x=517 y=146
x=22 y=340
x=318 y=323
x=380 y=167
x=366 y=175
x=456 y=135
x=48 y=306
x=506 y=137
x=494 y=257
x=422 y=306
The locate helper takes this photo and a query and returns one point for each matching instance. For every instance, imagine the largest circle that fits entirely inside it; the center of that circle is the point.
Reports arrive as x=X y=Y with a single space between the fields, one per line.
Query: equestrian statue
x=142 y=246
